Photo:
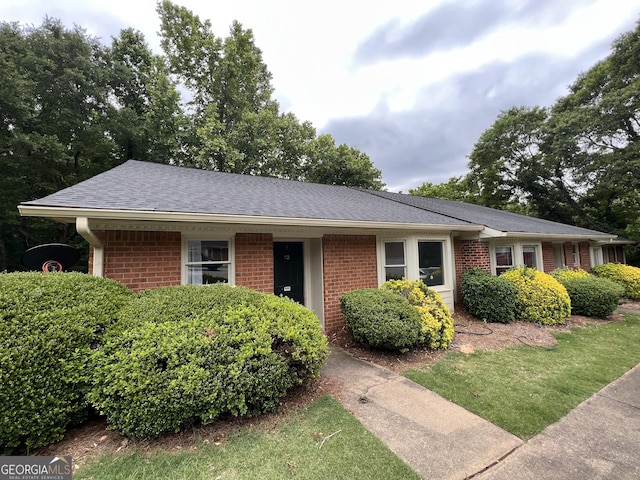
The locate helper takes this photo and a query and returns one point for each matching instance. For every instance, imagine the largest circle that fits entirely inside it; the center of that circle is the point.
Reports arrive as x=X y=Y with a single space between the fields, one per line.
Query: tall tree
x=578 y=161
x=54 y=101
x=147 y=120
x=237 y=125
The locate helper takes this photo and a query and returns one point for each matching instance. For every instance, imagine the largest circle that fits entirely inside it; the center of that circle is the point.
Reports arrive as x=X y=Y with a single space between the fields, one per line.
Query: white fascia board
x=559 y=236
x=60 y=213
x=490 y=233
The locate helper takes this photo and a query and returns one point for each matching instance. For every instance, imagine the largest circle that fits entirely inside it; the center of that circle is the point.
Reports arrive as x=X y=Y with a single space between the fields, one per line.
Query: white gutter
x=154 y=216
x=82 y=226
x=489 y=233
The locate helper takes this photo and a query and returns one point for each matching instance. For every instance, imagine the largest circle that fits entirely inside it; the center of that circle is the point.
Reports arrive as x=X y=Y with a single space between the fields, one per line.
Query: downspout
x=82 y=226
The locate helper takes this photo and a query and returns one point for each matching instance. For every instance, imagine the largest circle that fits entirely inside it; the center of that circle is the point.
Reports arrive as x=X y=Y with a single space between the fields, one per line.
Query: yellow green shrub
x=437 y=322
x=625 y=275
x=540 y=298
x=566 y=273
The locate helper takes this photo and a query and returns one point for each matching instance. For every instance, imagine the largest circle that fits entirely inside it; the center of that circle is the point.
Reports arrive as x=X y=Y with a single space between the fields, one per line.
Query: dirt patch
x=93 y=438
x=470 y=334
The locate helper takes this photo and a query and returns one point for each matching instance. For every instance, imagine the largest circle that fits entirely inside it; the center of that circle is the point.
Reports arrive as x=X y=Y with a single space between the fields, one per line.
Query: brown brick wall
x=349 y=263
x=254 y=261
x=142 y=260
x=585 y=256
x=548 y=258
x=469 y=253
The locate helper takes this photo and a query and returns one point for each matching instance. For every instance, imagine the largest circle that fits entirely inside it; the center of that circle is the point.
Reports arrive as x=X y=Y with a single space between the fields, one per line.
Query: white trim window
x=431 y=262
x=395 y=263
x=506 y=256
x=504 y=259
x=530 y=256
x=208 y=261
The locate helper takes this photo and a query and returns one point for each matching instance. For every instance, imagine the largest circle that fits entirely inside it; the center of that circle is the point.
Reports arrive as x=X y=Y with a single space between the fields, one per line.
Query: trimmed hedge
x=48 y=324
x=593 y=296
x=625 y=275
x=437 y=322
x=381 y=319
x=540 y=298
x=566 y=273
x=487 y=297
x=180 y=355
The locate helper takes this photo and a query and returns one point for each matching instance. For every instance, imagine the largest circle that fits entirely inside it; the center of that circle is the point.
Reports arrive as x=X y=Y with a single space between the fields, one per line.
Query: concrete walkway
x=435 y=437
x=600 y=439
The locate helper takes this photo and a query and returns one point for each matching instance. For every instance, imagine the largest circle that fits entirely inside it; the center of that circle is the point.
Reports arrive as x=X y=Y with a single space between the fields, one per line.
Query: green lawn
x=293 y=450
x=523 y=389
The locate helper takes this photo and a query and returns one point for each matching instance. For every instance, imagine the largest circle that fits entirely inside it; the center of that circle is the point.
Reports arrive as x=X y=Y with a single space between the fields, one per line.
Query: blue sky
x=412 y=83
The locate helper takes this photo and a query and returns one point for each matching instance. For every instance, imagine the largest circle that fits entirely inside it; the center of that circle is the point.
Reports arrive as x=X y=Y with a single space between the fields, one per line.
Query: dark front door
x=288 y=270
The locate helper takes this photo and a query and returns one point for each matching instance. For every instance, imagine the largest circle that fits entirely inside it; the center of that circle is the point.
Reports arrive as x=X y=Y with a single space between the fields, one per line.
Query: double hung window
x=504 y=259
x=395 y=267
x=530 y=256
x=207 y=262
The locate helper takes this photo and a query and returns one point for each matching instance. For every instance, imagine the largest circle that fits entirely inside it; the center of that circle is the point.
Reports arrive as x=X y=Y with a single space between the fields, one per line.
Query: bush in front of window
x=437 y=322
x=487 y=297
x=540 y=298
x=625 y=275
x=184 y=355
x=593 y=296
x=566 y=273
x=48 y=324
x=381 y=319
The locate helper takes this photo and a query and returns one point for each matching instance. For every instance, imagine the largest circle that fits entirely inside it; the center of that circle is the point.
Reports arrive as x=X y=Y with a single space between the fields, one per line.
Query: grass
x=293 y=450
x=523 y=389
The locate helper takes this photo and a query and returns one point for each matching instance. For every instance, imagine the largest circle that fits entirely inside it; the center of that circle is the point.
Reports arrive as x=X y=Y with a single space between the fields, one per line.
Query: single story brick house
x=151 y=225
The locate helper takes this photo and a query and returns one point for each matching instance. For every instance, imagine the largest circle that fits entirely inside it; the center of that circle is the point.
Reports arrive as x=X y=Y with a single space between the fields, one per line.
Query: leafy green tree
x=54 y=102
x=340 y=165
x=578 y=161
x=456 y=188
x=236 y=124
x=147 y=121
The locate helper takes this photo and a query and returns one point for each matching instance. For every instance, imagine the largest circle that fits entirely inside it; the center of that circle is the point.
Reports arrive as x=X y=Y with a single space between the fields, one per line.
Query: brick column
x=349 y=263
x=254 y=261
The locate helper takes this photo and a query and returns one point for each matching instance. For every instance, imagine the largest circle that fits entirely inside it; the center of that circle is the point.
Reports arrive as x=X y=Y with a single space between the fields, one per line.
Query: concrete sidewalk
x=435 y=437
x=599 y=439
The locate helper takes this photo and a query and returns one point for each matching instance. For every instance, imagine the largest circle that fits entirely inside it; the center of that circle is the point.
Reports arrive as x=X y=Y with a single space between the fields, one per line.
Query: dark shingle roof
x=146 y=186
x=489 y=217
x=153 y=187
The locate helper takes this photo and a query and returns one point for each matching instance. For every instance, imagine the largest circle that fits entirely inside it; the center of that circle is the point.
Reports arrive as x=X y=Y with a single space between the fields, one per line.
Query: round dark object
x=51 y=257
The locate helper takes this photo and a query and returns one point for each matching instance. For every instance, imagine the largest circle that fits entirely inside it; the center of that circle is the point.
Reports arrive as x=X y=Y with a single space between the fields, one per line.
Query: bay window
x=430 y=263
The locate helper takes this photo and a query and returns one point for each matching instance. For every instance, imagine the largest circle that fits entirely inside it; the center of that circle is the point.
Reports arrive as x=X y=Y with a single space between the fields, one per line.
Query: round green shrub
x=593 y=296
x=625 y=275
x=381 y=319
x=48 y=324
x=540 y=298
x=180 y=355
x=487 y=297
x=436 y=320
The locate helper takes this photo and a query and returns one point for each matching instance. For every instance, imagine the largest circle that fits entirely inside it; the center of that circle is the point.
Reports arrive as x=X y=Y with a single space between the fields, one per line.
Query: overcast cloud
x=411 y=83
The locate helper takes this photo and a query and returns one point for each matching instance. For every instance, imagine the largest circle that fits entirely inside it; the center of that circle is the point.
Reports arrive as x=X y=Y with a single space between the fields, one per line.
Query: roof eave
x=490 y=233
x=69 y=215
